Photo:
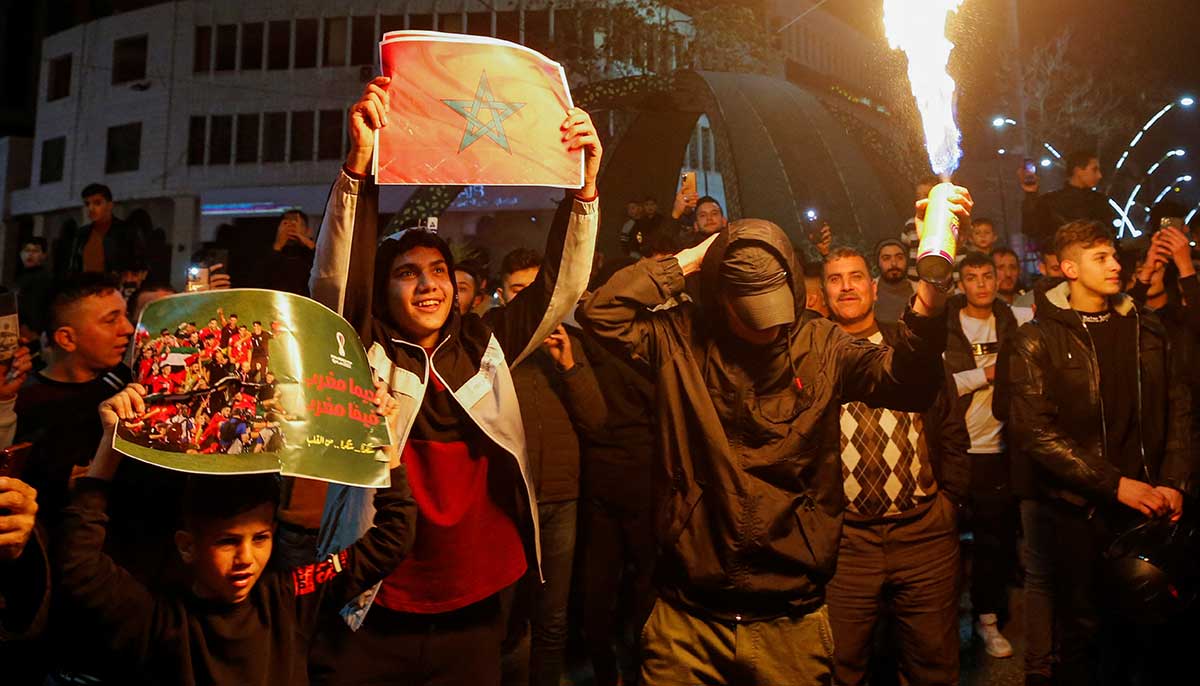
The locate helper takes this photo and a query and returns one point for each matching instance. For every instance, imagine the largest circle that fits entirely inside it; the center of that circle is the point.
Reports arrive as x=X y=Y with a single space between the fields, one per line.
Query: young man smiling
x=1103 y=416
x=437 y=617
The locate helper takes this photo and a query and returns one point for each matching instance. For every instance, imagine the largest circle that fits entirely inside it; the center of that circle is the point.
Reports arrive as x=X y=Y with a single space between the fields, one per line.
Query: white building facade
x=228 y=111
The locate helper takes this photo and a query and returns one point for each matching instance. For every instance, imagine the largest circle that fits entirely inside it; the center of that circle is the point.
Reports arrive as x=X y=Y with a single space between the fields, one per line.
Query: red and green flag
x=471 y=110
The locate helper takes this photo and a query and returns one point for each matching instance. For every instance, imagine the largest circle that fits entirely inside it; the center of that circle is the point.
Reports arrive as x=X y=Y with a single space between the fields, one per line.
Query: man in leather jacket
x=1102 y=416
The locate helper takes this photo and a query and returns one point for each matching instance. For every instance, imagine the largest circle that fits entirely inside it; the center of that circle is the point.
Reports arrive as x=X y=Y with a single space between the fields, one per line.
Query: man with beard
x=893 y=286
x=904 y=476
x=1008 y=274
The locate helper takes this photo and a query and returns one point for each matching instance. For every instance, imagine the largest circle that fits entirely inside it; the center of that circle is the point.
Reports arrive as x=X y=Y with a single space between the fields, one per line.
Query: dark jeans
x=910 y=565
x=448 y=649
x=994 y=526
x=1038 y=526
x=1094 y=645
x=618 y=560
x=548 y=623
x=539 y=660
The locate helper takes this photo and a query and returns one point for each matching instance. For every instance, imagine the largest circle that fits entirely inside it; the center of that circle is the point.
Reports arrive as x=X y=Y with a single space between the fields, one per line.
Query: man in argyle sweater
x=904 y=475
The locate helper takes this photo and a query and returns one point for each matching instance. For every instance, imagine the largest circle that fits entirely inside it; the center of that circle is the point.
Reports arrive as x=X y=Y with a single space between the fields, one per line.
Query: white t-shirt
x=987 y=435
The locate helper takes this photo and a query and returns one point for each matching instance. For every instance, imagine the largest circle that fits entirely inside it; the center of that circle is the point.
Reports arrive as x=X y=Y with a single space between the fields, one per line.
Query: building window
x=451 y=22
x=537 y=29
x=58 y=78
x=221 y=139
x=252 y=46
x=363 y=41
x=197 y=132
x=274 y=136
x=334 y=54
x=508 y=26
x=710 y=149
x=329 y=135
x=123 y=151
x=54 y=152
x=302 y=137
x=202 y=50
x=279 y=44
x=389 y=22
x=129 y=59
x=479 y=23
x=226 y=48
x=247 y=138
x=306 y=43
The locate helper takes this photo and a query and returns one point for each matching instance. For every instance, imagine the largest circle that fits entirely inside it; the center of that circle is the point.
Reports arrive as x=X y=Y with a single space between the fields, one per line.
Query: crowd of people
x=210 y=389
x=712 y=460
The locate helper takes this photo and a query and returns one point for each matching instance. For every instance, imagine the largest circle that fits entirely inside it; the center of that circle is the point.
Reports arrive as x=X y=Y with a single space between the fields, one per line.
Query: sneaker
x=994 y=642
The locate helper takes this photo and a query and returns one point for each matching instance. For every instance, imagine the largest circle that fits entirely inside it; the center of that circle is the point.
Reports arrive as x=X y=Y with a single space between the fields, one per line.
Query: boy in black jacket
x=240 y=622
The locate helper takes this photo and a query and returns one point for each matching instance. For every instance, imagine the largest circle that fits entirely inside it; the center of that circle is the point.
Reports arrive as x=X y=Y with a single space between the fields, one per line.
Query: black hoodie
x=748 y=487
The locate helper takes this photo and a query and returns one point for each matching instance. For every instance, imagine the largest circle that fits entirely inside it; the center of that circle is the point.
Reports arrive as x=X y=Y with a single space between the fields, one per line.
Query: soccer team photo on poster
x=246 y=381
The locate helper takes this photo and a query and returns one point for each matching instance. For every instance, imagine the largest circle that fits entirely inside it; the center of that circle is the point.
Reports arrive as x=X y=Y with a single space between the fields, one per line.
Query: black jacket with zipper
x=1057 y=417
x=748 y=484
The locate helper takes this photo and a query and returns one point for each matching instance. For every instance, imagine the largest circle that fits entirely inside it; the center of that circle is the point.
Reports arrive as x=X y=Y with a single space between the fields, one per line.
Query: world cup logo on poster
x=341 y=339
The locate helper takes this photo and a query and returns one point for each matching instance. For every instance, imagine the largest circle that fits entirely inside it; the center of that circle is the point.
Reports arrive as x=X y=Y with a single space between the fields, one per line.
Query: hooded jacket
x=472 y=357
x=748 y=484
x=1056 y=414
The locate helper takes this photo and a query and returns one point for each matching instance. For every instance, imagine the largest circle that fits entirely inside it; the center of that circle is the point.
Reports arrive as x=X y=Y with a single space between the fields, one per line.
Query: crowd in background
x=730 y=464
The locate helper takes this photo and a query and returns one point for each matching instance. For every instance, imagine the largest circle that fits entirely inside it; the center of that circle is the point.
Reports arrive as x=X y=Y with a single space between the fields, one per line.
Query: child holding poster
x=242 y=621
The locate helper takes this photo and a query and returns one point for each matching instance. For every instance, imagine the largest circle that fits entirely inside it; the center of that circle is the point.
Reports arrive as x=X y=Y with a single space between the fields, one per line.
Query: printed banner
x=471 y=110
x=245 y=381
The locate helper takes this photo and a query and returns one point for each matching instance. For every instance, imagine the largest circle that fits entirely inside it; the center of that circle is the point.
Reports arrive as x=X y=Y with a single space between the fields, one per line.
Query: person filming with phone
x=1041 y=215
x=292 y=254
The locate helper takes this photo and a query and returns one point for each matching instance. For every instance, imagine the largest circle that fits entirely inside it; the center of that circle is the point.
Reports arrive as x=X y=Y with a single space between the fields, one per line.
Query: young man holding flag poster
x=437 y=617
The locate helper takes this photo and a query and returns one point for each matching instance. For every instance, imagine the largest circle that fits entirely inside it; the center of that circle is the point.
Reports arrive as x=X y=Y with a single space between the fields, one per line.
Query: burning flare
x=918 y=28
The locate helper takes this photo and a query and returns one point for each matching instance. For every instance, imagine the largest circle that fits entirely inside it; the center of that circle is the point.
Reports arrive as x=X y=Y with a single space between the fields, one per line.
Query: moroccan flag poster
x=246 y=381
x=470 y=110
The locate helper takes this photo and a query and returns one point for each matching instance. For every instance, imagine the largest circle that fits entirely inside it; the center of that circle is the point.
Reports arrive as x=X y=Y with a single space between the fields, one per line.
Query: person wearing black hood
x=748 y=484
x=438 y=617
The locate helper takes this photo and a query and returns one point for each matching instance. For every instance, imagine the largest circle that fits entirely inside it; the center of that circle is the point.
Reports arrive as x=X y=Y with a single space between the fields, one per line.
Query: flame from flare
x=918 y=28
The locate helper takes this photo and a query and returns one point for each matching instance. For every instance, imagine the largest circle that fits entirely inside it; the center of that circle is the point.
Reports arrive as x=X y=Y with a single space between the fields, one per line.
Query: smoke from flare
x=918 y=27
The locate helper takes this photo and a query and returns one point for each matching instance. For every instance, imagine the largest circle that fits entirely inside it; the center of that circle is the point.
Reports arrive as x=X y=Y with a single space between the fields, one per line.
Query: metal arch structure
x=780 y=148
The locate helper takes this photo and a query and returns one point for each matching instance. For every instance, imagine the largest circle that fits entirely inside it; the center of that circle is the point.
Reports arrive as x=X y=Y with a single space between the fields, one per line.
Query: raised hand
x=580 y=134
x=18 y=512
x=366 y=116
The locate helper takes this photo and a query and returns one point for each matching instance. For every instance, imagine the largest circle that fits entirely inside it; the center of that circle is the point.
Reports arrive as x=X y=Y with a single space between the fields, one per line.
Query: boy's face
x=979 y=283
x=1096 y=268
x=983 y=235
x=32 y=255
x=517 y=281
x=420 y=293
x=228 y=557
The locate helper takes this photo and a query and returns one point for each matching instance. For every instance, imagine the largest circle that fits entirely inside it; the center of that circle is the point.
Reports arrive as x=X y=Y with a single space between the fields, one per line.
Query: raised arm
x=629 y=313
x=89 y=578
x=522 y=325
x=343 y=575
x=346 y=240
x=582 y=396
x=24 y=574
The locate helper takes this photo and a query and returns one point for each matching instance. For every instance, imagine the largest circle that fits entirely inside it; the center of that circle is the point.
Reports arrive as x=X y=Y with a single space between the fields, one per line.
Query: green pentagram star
x=477 y=128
